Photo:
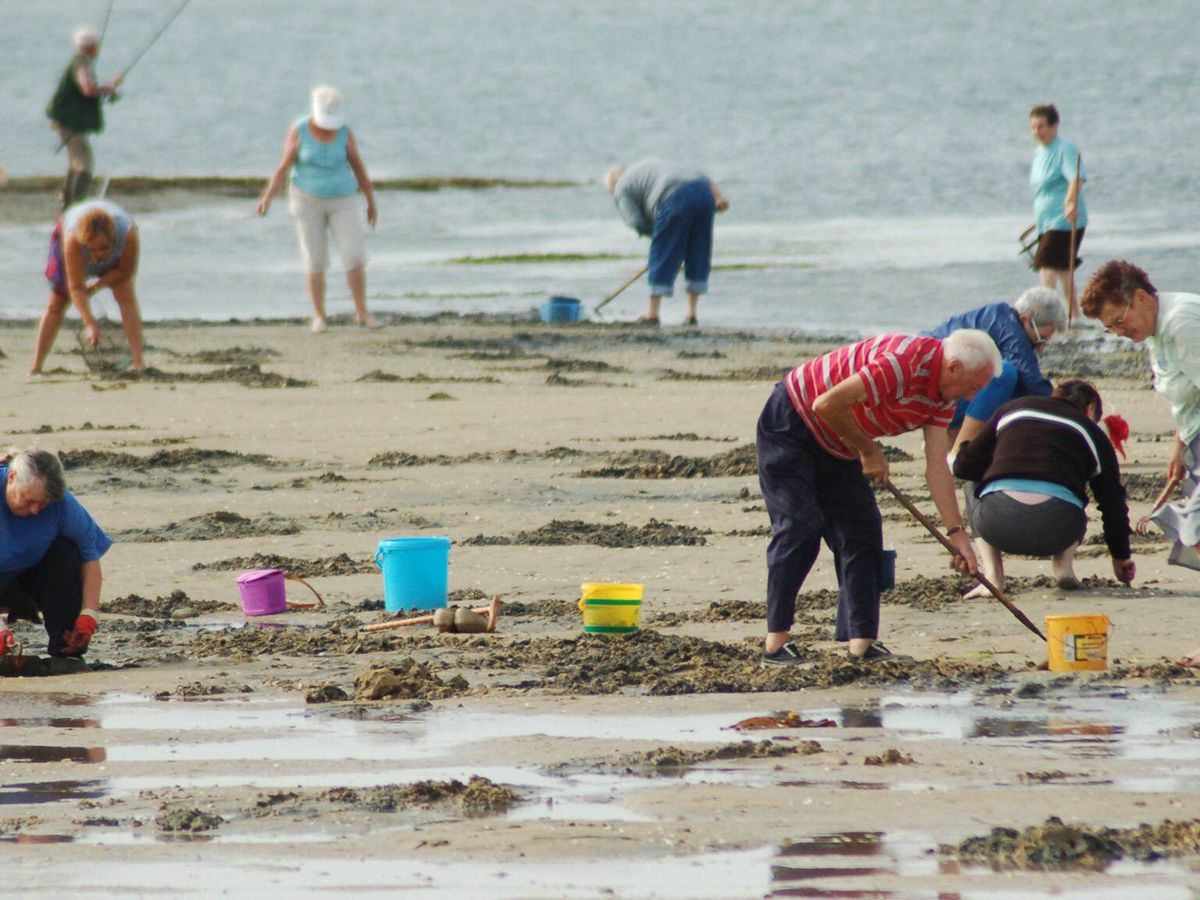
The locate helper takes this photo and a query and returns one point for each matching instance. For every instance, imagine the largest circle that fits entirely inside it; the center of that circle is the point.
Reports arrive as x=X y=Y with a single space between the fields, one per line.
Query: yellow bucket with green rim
x=610 y=608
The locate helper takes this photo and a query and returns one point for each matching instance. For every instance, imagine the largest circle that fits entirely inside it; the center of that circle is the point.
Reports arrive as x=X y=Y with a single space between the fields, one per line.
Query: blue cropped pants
x=683 y=229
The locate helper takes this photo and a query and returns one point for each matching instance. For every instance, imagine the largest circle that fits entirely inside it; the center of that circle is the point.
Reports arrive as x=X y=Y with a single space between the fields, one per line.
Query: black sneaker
x=787 y=655
x=875 y=653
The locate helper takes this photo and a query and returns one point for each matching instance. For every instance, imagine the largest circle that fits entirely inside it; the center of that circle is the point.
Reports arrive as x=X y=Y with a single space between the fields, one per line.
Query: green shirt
x=70 y=107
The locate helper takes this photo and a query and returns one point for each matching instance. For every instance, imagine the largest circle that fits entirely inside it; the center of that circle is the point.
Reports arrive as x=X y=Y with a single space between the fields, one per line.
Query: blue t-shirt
x=24 y=540
x=1051 y=174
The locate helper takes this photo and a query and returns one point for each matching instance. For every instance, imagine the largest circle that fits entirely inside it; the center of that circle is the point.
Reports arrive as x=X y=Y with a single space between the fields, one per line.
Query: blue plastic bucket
x=561 y=309
x=415 y=571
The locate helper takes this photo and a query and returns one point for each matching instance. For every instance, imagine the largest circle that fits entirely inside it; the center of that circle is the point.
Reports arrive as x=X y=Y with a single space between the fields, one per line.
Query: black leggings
x=1040 y=529
x=53 y=588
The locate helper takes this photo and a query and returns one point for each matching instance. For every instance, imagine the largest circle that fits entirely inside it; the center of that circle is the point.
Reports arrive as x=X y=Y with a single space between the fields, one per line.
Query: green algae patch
x=1057 y=846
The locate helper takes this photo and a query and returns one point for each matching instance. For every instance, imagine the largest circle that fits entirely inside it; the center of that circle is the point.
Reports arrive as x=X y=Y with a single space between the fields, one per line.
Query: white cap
x=327 y=108
x=86 y=36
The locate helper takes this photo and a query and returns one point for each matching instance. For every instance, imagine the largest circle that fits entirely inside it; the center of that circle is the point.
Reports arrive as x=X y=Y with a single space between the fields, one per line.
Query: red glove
x=80 y=636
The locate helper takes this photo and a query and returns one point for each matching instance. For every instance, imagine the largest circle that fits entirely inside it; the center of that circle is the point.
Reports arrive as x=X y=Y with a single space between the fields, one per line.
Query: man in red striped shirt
x=817 y=455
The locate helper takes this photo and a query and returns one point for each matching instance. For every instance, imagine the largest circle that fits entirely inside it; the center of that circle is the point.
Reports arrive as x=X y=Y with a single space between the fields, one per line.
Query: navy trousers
x=53 y=588
x=812 y=496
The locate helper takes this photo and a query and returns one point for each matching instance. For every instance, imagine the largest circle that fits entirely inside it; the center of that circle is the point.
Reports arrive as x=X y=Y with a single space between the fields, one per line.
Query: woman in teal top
x=327 y=173
x=1057 y=177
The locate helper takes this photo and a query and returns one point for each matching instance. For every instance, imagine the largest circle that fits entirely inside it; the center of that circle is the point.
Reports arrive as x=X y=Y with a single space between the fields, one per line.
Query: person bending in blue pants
x=674 y=207
x=1020 y=330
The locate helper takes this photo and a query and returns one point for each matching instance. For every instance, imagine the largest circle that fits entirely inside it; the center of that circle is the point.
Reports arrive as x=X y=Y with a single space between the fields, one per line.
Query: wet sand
x=551 y=456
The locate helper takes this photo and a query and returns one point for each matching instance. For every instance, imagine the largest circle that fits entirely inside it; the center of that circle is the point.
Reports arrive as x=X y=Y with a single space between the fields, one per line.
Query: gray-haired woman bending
x=50 y=549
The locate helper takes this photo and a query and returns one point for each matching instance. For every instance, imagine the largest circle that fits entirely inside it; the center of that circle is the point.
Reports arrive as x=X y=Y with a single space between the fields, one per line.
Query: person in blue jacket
x=1020 y=330
x=50 y=549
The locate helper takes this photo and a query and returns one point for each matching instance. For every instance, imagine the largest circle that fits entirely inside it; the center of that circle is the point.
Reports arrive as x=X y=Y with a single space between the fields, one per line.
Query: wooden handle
x=632 y=278
x=1071 y=259
x=320 y=600
x=979 y=576
x=491 y=611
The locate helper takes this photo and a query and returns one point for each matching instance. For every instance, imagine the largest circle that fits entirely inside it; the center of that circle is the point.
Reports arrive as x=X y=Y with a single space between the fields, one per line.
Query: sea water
x=876 y=154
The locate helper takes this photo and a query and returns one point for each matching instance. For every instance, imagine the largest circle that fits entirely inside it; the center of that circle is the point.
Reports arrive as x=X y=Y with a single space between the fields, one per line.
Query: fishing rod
x=153 y=40
x=104 y=27
x=99 y=44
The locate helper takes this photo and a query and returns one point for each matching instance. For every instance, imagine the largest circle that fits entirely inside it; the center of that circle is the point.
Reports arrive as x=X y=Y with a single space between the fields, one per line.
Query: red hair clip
x=1118 y=431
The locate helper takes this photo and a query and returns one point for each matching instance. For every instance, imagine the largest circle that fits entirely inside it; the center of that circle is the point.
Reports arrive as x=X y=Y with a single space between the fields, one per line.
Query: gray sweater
x=646 y=184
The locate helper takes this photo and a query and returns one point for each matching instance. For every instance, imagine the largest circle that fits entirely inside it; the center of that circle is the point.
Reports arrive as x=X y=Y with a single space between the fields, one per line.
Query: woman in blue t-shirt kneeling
x=50 y=549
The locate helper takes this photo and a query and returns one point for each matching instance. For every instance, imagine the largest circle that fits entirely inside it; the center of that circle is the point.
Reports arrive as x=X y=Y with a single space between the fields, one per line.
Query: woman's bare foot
x=368 y=321
x=1062 y=565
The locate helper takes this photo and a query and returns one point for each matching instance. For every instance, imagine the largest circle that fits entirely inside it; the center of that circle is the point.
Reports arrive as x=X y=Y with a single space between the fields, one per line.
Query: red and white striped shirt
x=900 y=372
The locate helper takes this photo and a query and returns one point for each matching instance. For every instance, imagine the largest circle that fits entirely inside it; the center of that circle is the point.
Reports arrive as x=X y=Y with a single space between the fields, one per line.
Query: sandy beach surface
x=208 y=753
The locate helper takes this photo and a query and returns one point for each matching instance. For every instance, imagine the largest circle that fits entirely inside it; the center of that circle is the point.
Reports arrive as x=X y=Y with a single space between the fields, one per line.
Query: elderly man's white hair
x=86 y=36
x=612 y=176
x=975 y=349
x=1045 y=305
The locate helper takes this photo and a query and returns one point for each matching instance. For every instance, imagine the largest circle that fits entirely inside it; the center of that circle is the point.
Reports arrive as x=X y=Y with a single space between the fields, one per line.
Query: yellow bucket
x=1077 y=642
x=610 y=608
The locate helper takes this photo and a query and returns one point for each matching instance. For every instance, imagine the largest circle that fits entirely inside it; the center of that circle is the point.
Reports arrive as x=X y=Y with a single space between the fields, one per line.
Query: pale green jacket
x=1175 y=359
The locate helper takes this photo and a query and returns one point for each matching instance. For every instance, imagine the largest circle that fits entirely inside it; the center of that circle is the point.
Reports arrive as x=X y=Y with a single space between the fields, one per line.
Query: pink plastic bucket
x=263 y=592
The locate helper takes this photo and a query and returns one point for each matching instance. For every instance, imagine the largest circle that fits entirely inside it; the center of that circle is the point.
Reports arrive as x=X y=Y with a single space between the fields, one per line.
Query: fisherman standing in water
x=75 y=111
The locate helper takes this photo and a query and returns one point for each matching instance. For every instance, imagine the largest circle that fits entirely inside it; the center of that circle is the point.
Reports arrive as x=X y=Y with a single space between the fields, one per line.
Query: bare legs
x=131 y=321
x=52 y=320
x=1063 y=566
x=356 y=278
x=316 y=292
x=655 y=305
x=56 y=308
x=991 y=564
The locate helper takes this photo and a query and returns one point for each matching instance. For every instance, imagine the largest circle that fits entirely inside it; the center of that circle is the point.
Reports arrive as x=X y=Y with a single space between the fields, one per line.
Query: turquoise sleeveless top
x=123 y=221
x=323 y=170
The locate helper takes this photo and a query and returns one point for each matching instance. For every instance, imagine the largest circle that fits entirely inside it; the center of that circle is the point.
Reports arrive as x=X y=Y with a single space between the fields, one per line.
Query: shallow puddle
x=907 y=864
x=32 y=753
x=714 y=875
x=51 y=792
x=257 y=744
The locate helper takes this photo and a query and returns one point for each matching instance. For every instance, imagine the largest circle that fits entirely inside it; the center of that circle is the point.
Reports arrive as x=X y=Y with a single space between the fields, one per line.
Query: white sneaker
x=319 y=324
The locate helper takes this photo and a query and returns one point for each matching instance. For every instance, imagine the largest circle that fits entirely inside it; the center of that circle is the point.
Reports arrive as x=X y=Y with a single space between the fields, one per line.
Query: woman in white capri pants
x=326 y=175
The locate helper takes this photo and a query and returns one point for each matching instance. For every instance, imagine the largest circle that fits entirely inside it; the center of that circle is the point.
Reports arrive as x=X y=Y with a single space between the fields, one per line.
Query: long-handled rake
x=613 y=296
x=945 y=542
